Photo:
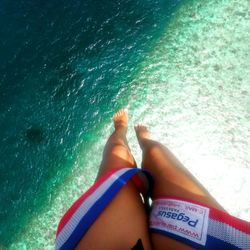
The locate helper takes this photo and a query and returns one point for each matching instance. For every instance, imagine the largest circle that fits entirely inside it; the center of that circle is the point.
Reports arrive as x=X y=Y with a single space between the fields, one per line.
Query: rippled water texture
x=64 y=68
x=67 y=66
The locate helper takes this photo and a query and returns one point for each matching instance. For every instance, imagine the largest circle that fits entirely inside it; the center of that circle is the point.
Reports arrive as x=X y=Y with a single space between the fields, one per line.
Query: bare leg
x=171 y=178
x=117 y=153
x=124 y=221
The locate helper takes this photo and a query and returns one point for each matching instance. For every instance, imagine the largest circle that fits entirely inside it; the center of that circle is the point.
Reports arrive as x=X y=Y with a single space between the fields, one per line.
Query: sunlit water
x=185 y=75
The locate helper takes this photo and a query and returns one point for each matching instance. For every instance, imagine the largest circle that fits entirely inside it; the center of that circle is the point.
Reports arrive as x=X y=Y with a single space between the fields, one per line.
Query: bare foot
x=142 y=133
x=120 y=119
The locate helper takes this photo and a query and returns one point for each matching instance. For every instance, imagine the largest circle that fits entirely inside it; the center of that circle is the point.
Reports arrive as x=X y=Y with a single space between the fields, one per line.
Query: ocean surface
x=180 y=67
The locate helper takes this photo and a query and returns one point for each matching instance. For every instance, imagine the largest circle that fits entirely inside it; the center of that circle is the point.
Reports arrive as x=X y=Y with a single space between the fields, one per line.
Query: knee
x=152 y=149
x=116 y=151
x=117 y=148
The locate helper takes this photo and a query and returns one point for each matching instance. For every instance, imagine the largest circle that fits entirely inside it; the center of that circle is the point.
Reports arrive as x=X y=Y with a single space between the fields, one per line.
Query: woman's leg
x=116 y=152
x=171 y=179
x=124 y=221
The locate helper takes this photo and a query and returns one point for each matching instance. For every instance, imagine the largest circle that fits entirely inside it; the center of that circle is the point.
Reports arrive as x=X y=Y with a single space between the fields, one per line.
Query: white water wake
x=193 y=91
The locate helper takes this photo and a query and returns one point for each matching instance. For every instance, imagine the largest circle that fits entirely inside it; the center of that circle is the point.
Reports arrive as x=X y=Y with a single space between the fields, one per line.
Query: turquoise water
x=180 y=67
x=63 y=65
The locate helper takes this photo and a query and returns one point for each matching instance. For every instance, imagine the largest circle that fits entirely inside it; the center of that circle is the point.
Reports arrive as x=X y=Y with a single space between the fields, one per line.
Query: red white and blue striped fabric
x=82 y=214
x=223 y=230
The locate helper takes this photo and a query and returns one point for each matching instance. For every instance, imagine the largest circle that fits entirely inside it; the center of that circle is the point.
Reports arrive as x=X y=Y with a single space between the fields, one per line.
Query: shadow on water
x=35 y=134
x=60 y=66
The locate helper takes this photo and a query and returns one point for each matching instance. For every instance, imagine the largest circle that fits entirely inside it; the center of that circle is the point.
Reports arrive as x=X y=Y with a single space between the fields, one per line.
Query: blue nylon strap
x=89 y=218
x=212 y=243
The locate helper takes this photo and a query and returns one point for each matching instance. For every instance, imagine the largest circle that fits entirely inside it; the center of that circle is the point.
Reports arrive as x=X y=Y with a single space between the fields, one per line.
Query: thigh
x=124 y=220
x=120 y=225
x=172 y=179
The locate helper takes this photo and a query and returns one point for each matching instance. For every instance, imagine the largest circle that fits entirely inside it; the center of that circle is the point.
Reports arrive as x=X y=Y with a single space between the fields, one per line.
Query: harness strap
x=82 y=214
x=197 y=225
